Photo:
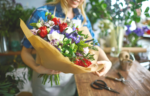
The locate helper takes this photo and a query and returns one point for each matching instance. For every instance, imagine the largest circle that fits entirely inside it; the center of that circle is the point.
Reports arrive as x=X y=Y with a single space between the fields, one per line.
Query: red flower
x=43 y=31
x=84 y=62
x=62 y=26
x=148 y=32
x=56 y=21
x=77 y=28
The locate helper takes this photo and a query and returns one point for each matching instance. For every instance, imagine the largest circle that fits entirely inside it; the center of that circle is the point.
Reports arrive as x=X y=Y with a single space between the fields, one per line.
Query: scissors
x=122 y=79
x=99 y=84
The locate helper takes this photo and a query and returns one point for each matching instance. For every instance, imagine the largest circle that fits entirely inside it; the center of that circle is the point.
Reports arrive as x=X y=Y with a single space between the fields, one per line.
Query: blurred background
x=116 y=23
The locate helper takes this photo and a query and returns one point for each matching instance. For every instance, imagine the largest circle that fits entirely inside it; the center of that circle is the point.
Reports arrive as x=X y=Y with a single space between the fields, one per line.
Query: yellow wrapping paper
x=49 y=57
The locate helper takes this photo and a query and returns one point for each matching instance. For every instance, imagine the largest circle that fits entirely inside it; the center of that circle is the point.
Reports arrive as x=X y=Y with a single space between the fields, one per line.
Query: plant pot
x=15 y=42
x=126 y=64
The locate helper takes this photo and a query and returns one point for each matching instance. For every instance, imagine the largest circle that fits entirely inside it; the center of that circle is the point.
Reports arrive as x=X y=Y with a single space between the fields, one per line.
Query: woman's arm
x=103 y=59
x=102 y=55
x=29 y=61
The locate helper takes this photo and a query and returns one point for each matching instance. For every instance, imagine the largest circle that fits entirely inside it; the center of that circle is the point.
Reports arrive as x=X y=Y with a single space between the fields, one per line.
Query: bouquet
x=61 y=46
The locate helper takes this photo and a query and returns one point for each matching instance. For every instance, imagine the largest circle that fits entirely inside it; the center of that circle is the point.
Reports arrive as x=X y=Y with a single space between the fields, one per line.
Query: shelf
x=12 y=53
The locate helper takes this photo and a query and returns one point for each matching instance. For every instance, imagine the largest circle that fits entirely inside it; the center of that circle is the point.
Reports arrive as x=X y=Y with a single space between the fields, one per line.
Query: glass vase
x=3 y=44
x=117 y=40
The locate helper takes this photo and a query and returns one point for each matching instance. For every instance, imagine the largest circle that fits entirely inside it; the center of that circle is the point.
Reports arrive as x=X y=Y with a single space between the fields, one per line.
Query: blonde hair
x=64 y=5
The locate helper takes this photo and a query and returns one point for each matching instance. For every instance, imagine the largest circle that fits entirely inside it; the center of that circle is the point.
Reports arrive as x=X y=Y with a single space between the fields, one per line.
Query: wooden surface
x=129 y=49
x=25 y=94
x=138 y=81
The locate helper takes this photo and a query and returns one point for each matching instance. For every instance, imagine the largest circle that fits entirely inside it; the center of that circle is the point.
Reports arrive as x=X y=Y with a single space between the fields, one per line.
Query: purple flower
x=54 y=42
x=79 y=54
x=128 y=26
x=128 y=31
x=138 y=32
x=145 y=29
x=55 y=28
x=74 y=36
x=74 y=28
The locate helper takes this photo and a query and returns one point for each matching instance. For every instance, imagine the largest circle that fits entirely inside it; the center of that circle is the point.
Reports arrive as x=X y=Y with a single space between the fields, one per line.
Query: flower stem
x=51 y=77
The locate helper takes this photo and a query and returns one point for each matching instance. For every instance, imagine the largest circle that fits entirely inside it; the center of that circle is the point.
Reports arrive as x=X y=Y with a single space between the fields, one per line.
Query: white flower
x=55 y=35
x=86 y=50
x=69 y=30
x=68 y=20
x=51 y=23
x=34 y=31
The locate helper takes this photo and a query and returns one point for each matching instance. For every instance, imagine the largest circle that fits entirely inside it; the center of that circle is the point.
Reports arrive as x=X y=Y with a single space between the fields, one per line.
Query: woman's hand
x=107 y=66
x=42 y=70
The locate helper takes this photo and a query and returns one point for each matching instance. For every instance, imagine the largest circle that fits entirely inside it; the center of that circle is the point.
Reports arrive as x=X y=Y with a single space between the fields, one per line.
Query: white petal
x=49 y=36
x=61 y=37
x=86 y=50
x=69 y=30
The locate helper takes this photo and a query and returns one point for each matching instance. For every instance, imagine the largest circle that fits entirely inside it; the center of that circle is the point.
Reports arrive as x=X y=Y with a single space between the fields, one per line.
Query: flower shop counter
x=138 y=81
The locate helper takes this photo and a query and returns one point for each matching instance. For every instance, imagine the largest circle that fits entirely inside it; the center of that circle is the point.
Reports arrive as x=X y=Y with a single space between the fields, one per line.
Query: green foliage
x=47 y=1
x=105 y=10
x=80 y=33
x=8 y=83
x=9 y=18
x=132 y=38
x=93 y=48
x=97 y=10
x=82 y=45
x=69 y=49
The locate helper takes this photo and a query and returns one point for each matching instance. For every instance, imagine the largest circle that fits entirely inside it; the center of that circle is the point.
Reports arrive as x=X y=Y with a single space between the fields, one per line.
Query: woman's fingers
x=53 y=72
x=107 y=66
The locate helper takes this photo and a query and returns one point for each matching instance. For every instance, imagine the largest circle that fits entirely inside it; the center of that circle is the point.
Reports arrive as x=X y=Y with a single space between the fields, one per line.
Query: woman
x=61 y=9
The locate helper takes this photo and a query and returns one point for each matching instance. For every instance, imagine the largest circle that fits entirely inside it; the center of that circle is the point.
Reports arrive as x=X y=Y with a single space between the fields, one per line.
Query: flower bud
x=52 y=16
x=46 y=13
x=48 y=30
x=67 y=52
x=49 y=17
x=38 y=25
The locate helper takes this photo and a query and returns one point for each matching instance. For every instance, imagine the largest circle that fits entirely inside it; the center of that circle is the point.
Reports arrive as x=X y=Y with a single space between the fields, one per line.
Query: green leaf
x=46 y=13
x=82 y=44
x=130 y=22
x=146 y=10
x=80 y=48
x=137 y=19
x=33 y=24
x=14 y=90
x=139 y=1
x=147 y=14
x=93 y=48
x=121 y=4
x=104 y=6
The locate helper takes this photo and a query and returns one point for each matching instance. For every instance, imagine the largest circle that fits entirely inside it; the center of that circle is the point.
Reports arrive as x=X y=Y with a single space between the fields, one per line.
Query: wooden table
x=138 y=81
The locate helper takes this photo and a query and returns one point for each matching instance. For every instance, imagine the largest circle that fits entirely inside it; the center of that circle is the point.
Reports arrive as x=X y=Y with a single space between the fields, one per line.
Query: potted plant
x=10 y=23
